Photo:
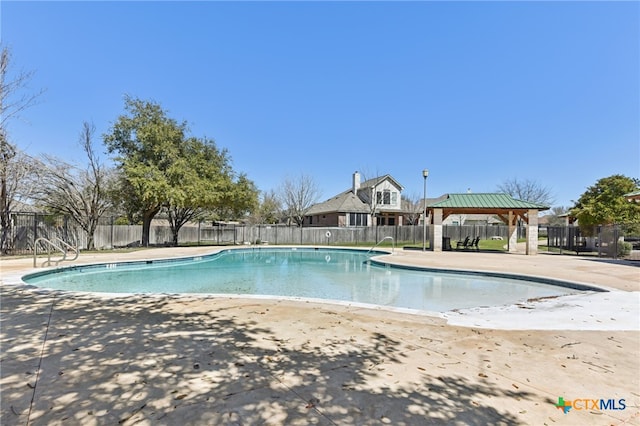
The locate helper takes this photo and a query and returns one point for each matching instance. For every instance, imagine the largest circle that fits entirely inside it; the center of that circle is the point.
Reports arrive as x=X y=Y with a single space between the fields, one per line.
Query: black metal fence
x=605 y=240
x=26 y=228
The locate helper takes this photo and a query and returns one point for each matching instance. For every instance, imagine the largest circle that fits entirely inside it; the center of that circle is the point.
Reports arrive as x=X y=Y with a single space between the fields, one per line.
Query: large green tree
x=148 y=145
x=163 y=169
x=204 y=181
x=604 y=203
x=238 y=201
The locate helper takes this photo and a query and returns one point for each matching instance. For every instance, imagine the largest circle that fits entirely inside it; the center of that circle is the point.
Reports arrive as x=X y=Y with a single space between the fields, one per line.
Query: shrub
x=624 y=249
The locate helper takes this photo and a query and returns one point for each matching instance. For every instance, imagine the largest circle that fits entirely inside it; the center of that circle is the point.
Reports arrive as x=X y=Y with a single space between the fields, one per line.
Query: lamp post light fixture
x=425 y=174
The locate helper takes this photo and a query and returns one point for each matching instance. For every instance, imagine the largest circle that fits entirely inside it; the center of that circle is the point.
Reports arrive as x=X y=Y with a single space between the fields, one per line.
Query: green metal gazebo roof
x=485 y=201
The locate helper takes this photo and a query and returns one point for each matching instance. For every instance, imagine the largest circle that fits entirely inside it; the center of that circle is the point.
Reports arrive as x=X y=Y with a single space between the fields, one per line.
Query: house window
x=357 y=219
x=384 y=197
x=394 y=198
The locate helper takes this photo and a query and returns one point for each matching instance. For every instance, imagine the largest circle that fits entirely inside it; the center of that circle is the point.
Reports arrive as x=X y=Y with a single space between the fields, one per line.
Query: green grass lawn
x=487 y=245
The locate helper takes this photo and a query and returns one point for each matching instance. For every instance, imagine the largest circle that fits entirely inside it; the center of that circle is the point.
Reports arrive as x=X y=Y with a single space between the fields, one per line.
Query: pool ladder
x=393 y=245
x=61 y=246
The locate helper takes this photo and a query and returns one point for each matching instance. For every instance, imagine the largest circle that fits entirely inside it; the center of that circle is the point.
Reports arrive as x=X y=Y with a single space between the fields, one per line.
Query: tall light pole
x=425 y=173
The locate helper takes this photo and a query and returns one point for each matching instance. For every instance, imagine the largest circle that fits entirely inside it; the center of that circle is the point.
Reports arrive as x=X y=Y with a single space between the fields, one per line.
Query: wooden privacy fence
x=411 y=234
x=28 y=227
x=113 y=236
x=25 y=228
x=332 y=235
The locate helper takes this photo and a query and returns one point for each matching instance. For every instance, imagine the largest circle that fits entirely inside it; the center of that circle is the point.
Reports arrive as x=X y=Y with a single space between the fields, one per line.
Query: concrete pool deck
x=164 y=359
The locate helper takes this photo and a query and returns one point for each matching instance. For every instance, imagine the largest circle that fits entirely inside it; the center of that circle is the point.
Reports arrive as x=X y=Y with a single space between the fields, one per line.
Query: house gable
x=386 y=191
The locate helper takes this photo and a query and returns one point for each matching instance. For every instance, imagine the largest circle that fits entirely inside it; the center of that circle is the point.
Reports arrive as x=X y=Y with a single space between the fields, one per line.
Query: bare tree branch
x=15 y=167
x=368 y=195
x=13 y=98
x=527 y=190
x=298 y=196
x=413 y=208
x=19 y=174
x=80 y=193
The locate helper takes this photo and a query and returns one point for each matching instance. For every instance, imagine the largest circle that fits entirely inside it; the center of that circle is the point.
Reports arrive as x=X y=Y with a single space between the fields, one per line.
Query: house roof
x=377 y=180
x=635 y=195
x=431 y=201
x=485 y=201
x=346 y=202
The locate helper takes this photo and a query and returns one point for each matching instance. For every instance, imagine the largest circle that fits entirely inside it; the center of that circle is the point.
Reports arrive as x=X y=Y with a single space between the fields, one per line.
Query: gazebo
x=633 y=196
x=504 y=206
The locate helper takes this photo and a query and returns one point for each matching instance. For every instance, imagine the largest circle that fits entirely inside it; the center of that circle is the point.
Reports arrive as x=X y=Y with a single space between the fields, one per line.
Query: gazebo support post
x=532 y=232
x=513 y=232
x=435 y=237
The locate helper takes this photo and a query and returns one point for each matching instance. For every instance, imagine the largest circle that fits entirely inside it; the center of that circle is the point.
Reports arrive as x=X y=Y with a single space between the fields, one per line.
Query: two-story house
x=374 y=201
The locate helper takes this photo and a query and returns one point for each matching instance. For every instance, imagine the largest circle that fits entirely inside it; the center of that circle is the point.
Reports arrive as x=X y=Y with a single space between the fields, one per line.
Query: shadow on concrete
x=153 y=360
x=624 y=262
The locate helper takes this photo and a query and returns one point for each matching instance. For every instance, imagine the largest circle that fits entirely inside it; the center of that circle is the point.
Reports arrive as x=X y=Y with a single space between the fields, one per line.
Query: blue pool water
x=343 y=275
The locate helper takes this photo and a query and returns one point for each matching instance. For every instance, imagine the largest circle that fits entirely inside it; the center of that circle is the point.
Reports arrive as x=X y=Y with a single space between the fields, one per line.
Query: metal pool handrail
x=49 y=244
x=393 y=245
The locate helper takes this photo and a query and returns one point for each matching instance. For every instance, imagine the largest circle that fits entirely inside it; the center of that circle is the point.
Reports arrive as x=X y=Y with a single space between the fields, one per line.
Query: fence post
x=548 y=241
x=35 y=230
x=615 y=241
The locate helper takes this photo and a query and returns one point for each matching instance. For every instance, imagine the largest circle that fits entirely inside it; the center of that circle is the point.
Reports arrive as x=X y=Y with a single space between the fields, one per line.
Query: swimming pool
x=345 y=275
